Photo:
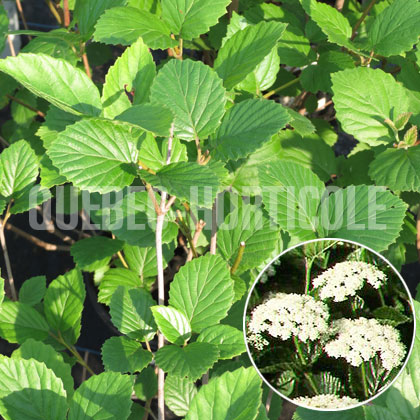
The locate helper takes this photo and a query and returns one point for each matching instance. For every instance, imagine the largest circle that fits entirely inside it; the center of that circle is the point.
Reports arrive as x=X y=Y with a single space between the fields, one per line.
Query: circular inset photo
x=329 y=324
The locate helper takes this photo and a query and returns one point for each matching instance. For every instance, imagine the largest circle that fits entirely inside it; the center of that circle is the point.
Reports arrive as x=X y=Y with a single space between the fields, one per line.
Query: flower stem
x=308 y=375
x=308 y=267
x=365 y=385
x=381 y=297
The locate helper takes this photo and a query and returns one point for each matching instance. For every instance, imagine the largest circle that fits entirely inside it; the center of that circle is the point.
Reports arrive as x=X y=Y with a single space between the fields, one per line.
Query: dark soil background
x=28 y=260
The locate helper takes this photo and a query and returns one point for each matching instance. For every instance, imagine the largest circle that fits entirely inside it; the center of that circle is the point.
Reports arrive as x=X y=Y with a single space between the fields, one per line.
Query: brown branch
x=38 y=242
x=198 y=229
x=362 y=18
x=86 y=64
x=11 y=46
x=17 y=100
x=4 y=141
x=66 y=13
x=6 y=257
x=153 y=198
x=339 y=4
x=22 y=15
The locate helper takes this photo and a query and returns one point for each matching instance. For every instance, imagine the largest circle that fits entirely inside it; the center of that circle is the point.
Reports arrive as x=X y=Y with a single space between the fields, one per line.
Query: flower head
x=361 y=339
x=345 y=278
x=326 y=401
x=285 y=315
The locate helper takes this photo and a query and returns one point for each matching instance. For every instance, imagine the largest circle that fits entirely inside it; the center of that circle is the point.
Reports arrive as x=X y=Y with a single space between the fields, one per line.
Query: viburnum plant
x=330 y=337
x=212 y=135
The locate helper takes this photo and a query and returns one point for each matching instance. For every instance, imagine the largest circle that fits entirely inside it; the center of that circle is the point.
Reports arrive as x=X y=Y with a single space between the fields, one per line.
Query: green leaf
x=93 y=253
x=121 y=354
x=311 y=152
x=407 y=384
x=88 y=12
x=29 y=198
x=101 y=397
x=240 y=402
x=264 y=75
x=203 y=290
x=53 y=45
x=124 y=25
x=56 y=121
x=44 y=353
x=63 y=304
x=229 y=340
x=246 y=127
x=172 y=324
x=21 y=114
x=137 y=412
x=33 y=290
x=370 y=215
x=154 y=118
x=247 y=223
x=112 y=279
x=154 y=156
x=96 y=155
x=363 y=99
x=29 y=390
x=131 y=314
x=18 y=168
x=398 y=169
x=287 y=199
x=56 y=81
x=300 y=123
x=332 y=22
x=191 y=18
x=178 y=394
x=134 y=221
x=245 y=50
x=145 y=386
x=396 y=29
x=317 y=77
x=390 y=315
x=191 y=361
x=4 y=26
x=194 y=94
x=294 y=48
x=142 y=260
x=188 y=181
x=19 y=322
x=133 y=71
x=354 y=169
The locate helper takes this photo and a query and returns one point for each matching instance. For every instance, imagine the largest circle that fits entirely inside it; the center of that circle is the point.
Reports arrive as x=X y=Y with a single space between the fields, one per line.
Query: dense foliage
x=220 y=148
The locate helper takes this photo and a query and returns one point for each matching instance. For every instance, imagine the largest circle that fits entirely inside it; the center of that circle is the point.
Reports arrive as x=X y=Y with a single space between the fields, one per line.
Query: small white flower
x=345 y=278
x=285 y=315
x=361 y=339
x=326 y=401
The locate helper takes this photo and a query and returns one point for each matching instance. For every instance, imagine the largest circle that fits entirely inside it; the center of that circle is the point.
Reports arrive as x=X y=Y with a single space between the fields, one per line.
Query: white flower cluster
x=326 y=401
x=285 y=315
x=345 y=278
x=361 y=339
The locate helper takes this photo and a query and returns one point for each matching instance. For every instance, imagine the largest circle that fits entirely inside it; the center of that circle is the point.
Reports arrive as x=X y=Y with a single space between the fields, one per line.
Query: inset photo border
x=329 y=324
